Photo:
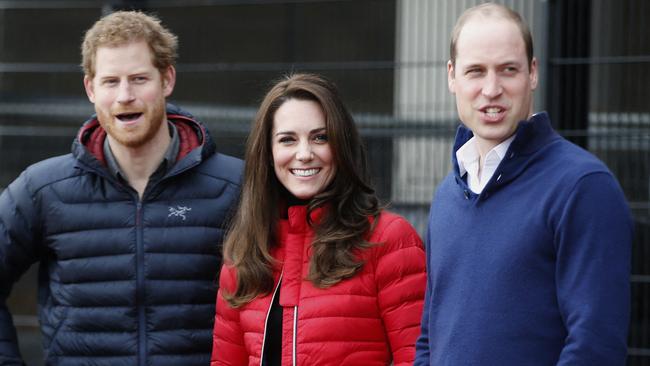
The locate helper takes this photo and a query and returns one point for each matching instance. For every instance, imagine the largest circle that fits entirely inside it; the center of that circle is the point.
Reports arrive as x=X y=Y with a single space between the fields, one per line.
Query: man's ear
x=533 y=74
x=88 y=85
x=451 y=80
x=168 y=80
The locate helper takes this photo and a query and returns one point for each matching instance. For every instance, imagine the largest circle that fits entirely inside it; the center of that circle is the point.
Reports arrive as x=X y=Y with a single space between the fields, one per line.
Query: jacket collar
x=296 y=220
x=195 y=141
x=294 y=239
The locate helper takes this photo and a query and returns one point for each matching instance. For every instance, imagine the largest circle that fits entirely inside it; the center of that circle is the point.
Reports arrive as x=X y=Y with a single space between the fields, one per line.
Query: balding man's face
x=491 y=79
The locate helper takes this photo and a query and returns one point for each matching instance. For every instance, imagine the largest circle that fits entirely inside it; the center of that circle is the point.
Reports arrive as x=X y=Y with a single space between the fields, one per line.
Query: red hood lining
x=92 y=136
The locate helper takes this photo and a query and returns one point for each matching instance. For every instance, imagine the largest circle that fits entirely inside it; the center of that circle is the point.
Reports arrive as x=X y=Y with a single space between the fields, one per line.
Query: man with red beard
x=529 y=237
x=127 y=228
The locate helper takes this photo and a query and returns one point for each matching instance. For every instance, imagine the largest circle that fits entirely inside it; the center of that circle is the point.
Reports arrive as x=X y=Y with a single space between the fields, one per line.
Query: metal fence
x=599 y=63
x=388 y=58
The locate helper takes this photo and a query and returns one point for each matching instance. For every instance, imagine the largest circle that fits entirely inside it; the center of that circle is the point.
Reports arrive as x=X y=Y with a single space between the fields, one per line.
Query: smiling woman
x=302 y=157
x=312 y=264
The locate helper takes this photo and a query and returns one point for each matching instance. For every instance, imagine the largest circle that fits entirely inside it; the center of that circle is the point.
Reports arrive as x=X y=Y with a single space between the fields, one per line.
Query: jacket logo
x=179 y=211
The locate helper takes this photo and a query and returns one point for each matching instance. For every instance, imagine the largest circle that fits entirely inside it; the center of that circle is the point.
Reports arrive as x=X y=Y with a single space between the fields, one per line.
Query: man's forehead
x=480 y=30
x=480 y=22
x=138 y=49
x=126 y=58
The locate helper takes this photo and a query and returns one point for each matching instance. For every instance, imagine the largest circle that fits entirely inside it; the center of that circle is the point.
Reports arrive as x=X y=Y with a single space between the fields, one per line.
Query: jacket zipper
x=140 y=281
x=140 y=295
x=139 y=288
x=268 y=312
x=295 y=332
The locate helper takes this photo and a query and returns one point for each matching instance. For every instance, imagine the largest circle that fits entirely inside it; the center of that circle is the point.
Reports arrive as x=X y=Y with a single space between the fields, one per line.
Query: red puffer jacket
x=372 y=318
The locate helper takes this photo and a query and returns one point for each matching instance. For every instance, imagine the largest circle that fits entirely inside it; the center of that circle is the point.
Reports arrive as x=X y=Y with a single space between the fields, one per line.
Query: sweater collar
x=530 y=136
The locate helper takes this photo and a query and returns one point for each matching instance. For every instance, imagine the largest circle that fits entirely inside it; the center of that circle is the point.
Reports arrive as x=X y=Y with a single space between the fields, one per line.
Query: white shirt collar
x=468 y=162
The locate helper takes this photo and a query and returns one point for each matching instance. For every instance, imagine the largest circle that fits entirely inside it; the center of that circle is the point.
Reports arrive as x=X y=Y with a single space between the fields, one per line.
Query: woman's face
x=302 y=156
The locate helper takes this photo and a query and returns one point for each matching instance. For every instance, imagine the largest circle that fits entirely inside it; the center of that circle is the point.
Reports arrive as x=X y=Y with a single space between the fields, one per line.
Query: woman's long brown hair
x=350 y=198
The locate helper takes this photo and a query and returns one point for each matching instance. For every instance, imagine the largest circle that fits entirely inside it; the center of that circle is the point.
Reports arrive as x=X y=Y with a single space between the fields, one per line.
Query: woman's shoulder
x=394 y=231
x=396 y=248
x=228 y=276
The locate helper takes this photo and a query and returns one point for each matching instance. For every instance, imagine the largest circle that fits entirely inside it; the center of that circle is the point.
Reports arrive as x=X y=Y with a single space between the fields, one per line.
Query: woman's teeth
x=304 y=172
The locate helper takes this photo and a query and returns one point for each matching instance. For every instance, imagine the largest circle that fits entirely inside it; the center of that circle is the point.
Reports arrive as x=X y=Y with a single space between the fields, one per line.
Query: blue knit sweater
x=534 y=270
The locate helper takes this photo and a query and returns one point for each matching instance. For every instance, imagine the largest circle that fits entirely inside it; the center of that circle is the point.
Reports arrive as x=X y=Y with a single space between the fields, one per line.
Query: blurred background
x=388 y=57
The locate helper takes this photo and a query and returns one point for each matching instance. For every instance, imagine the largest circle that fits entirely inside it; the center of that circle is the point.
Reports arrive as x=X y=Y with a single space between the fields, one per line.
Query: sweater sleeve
x=228 y=339
x=593 y=243
x=422 y=344
x=18 y=250
x=401 y=280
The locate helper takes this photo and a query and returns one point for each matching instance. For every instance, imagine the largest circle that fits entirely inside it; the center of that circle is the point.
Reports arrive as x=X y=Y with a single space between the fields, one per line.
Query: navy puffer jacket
x=122 y=281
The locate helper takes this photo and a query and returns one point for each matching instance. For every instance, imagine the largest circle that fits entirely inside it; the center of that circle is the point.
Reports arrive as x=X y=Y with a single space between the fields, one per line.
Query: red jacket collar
x=92 y=136
x=295 y=236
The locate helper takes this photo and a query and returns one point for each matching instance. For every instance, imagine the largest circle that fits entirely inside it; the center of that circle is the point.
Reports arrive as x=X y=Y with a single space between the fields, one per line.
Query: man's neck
x=483 y=147
x=139 y=163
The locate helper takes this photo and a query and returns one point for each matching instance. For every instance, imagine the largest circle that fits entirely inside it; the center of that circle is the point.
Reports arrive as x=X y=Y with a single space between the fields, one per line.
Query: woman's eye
x=320 y=138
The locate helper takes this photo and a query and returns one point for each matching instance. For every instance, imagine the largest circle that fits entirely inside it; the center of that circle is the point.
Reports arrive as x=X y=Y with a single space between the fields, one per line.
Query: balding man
x=529 y=238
